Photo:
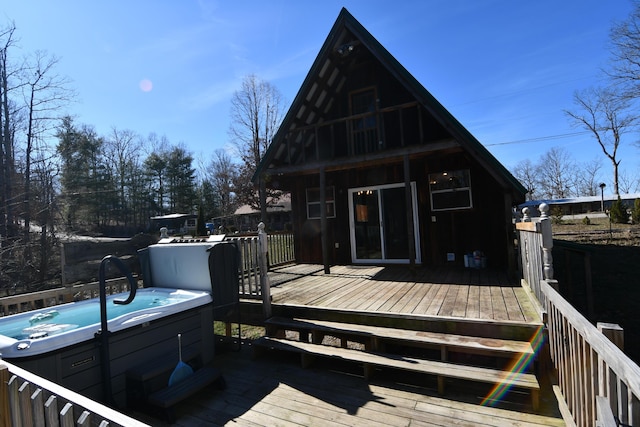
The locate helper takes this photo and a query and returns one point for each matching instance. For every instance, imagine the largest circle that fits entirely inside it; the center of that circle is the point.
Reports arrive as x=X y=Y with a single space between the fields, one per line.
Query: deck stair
x=382 y=349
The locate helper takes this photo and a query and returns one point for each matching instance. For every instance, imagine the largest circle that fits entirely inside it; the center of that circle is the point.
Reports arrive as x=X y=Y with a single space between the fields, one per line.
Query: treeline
x=59 y=176
x=113 y=184
x=557 y=175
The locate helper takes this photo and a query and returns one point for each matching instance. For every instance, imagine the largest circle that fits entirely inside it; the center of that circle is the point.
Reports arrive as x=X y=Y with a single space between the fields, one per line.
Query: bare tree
x=122 y=150
x=587 y=178
x=256 y=112
x=557 y=172
x=7 y=131
x=629 y=183
x=606 y=116
x=625 y=55
x=527 y=173
x=44 y=93
x=223 y=174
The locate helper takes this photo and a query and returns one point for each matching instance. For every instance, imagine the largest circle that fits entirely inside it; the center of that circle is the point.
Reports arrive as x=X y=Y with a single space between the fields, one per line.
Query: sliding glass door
x=378 y=224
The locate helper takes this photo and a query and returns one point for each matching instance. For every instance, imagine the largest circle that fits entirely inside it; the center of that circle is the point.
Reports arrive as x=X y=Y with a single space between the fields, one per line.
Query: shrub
x=618 y=213
x=635 y=212
x=586 y=221
x=556 y=215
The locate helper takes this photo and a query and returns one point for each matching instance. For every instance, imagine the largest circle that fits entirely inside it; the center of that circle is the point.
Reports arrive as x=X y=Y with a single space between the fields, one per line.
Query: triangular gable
x=308 y=104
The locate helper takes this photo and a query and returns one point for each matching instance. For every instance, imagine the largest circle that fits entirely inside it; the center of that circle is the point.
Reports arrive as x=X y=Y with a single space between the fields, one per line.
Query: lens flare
x=146 y=85
x=519 y=365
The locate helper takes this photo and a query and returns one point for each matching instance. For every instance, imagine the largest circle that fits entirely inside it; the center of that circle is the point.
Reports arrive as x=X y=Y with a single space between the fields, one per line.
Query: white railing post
x=547 y=242
x=263 y=248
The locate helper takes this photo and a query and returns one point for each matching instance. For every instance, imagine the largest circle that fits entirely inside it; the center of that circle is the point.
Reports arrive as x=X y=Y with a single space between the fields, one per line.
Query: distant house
x=379 y=171
x=581 y=205
x=246 y=218
x=176 y=223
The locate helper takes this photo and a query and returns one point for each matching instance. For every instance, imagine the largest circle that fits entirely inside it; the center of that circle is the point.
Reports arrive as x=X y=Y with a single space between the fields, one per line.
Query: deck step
x=378 y=334
x=374 y=359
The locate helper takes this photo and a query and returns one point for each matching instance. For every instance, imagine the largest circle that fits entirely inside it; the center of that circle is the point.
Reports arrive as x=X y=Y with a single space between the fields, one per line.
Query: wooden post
x=614 y=332
x=323 y=221
x=263 y=248
x=547 y=242
x=411 y=237
x=5 y=415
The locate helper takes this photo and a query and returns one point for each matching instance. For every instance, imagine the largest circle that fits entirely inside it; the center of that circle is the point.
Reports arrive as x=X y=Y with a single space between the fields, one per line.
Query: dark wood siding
x=484 y=227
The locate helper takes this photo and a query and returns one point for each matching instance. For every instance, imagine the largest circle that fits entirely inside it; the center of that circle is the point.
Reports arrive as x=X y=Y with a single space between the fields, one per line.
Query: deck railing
x=31 y=301
x=589 y=365
x=535 y=243
x=600 y=385
x=279 y=252
x=29 y=400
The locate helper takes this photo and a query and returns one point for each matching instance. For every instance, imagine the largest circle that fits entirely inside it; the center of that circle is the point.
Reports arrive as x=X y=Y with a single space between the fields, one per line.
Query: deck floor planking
x=275 y=391
x=463 y=293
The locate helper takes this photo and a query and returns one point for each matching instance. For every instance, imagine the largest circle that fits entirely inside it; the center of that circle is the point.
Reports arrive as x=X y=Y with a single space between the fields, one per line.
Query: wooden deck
x=274 y=390
x=442 y=292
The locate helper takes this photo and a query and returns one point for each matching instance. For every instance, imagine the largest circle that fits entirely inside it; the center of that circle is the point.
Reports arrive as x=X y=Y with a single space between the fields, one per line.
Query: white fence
x=29 y=400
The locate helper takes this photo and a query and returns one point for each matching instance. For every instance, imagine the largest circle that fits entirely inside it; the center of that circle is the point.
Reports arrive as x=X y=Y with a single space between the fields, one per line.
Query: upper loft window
x=364 y=127
x=450 y=190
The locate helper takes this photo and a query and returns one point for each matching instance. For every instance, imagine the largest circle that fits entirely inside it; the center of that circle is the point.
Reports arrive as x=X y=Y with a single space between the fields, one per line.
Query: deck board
x=461 y=293
x=275 y=391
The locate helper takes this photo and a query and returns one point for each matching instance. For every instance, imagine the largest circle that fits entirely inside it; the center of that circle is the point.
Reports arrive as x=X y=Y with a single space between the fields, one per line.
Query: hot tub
x=36 y=332
x=60 y=342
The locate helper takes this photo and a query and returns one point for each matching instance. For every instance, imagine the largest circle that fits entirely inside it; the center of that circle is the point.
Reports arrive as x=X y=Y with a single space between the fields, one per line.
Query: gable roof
x=346 y=25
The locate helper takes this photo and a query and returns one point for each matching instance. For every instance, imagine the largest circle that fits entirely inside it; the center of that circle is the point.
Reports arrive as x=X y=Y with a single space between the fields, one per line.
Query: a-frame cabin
x=379 y=171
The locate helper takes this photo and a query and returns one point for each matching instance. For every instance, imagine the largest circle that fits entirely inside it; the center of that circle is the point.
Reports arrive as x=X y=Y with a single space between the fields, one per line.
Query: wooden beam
x=365 y=160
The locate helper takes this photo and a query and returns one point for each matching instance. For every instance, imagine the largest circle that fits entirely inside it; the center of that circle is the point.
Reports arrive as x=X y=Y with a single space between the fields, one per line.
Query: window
x=450 y=190
x=313 y=203
x=364 y=127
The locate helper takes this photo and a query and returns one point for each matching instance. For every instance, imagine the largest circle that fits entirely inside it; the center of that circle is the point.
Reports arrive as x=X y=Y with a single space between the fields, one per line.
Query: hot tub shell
x=140 y=338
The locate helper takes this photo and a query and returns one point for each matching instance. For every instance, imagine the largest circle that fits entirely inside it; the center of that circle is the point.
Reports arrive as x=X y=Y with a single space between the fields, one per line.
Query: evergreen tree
x=618 y=212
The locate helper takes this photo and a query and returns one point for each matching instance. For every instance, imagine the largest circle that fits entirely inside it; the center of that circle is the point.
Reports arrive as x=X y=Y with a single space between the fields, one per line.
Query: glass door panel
x=366 y=220
x=394 y=219
x=379 y=229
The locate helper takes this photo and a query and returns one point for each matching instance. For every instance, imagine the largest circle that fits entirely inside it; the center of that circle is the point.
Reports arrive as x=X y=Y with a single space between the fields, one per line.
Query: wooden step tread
x=491 y=345
x=450 y=370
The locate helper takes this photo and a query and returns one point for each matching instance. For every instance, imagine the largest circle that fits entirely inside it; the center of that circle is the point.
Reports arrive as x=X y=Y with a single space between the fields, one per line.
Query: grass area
x=597 y=231
x=247 y=332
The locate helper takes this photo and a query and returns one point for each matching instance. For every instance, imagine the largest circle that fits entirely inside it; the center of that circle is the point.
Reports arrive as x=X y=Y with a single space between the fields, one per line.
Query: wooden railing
x=535 y=243
x=29 y=400
x=589 y=365
x=31 y=301
x=599 y=384
x=280 y=251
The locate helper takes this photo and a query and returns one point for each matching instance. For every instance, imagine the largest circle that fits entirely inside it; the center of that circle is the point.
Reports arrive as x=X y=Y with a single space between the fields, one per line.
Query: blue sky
x=505 y=69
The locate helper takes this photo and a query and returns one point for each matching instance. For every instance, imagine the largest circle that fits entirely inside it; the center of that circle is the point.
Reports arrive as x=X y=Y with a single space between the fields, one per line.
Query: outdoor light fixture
x=602 y=185
x=345 y=49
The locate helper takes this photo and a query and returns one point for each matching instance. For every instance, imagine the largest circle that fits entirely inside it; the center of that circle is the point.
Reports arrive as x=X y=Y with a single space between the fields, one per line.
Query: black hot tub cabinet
x=72 y=358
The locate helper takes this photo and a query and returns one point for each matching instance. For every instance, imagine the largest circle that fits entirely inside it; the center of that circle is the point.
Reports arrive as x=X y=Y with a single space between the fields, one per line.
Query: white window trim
x=331 y=202
x=452 y=190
